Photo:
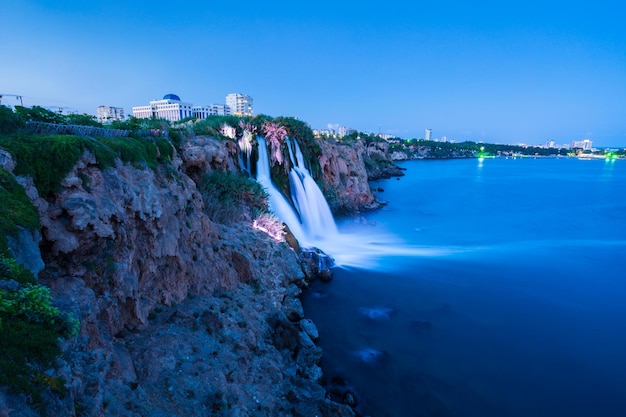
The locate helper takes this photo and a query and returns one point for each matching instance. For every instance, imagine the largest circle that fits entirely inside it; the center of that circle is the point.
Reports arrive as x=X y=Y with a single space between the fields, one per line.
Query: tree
x=9 y=121
x=38 y=114
x=82 y=119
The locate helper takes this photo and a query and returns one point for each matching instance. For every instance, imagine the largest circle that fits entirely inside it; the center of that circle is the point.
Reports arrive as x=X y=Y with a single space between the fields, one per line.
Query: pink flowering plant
x=275 y=135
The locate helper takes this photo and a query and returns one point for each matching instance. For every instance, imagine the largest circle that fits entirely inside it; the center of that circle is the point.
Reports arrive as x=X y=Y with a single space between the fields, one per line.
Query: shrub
x=231 y=197
x=30 y=332
x=9 y=121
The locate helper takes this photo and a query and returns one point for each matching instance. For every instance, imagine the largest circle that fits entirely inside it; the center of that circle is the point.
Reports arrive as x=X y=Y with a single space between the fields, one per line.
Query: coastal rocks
x=179 y=316
x=379 y=163
x=317 y=264
x=310 y=329
x=345 y=176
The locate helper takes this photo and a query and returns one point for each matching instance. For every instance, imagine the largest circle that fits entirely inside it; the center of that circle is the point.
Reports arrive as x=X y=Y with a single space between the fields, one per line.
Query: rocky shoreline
x=180 y=316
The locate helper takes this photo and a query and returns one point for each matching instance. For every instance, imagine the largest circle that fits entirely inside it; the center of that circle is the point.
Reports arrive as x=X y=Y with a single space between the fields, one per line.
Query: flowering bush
x=275 y=135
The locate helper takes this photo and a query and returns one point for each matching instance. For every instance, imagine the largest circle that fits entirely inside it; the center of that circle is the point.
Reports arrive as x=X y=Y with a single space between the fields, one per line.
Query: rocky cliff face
x=180 y=316
x=345 y=177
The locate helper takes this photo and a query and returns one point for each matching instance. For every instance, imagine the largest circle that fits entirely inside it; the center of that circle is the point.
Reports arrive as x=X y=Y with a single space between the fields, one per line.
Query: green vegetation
x=30 y=332
x=302 y=132
x=30 y=326
x=49 y=158
x=432 y=149
x=16 y=210
x=231 y=197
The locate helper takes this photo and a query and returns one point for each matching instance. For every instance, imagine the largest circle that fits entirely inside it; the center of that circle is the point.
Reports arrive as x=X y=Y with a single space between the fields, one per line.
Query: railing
x=43 y=128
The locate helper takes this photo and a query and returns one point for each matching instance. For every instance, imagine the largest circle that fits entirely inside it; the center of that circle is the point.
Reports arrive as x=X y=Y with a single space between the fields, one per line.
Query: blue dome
x=171 y=97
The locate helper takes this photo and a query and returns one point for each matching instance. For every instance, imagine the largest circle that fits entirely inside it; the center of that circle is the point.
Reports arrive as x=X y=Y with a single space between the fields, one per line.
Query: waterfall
x=277 y=202
x=314 y=211
x=312 y=221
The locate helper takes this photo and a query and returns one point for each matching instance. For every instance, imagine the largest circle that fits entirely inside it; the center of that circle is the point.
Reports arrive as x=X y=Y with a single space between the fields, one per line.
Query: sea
x=484 y=288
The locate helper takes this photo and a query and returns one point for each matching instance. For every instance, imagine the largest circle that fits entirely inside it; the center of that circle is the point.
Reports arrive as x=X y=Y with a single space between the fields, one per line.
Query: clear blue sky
x=504 y=72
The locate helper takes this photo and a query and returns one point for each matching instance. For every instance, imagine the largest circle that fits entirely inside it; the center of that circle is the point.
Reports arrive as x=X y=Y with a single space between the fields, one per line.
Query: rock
x=378 y=313
x=317 y=264
x=6 y=160
x=370 y=356
x=310 y=329
x=293 y=309
x=211 y=322
x=314 y=373
x=350 y=399
x=25 y=250
x=178 y=314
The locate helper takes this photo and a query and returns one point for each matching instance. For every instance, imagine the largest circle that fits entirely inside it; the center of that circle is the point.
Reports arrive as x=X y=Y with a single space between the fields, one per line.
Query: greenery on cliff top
x=49 y=158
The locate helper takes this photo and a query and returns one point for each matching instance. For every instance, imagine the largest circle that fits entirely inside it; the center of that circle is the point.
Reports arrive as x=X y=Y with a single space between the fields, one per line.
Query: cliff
x=181 y=313
x=347 y=166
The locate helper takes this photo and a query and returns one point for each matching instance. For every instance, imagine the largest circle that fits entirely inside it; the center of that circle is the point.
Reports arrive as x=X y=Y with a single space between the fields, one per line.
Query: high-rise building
x=107 y=114
x=170 y=108
x=428 y=133
x=240 y=104
x=584 y=144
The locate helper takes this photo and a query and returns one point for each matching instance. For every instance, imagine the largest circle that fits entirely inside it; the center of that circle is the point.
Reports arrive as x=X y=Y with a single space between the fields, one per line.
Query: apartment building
x=240 y=104
x=107 y=114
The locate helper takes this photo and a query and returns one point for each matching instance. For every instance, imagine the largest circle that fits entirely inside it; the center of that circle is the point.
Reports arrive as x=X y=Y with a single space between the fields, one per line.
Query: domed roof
x=171 y=97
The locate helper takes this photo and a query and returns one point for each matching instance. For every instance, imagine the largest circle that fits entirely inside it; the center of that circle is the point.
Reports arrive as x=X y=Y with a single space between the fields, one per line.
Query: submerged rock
x=378 y=313
x=370 y=356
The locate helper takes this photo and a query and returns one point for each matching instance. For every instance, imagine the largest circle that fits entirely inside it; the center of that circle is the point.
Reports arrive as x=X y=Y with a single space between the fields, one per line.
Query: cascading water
x=314 y=211
x=277 y=202
x=312 y=222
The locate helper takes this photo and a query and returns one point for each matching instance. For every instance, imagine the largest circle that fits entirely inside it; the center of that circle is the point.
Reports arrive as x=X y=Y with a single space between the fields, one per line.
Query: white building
x=585 y=144
x=106 y=114
x=220 y=109
x=240 y=104
x=170 y=108
x=427 y=134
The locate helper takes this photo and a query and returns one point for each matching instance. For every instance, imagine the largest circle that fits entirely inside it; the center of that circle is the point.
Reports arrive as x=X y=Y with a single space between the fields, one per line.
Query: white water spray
x=312 y=222
x=278 y=203
x=315 y=213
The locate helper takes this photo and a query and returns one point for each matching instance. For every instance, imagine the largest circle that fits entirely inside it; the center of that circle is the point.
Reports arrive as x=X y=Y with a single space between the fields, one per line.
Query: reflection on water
x=502 y=297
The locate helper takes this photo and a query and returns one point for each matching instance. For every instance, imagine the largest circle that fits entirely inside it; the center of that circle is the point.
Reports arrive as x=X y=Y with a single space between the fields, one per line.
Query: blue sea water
x=513 y=305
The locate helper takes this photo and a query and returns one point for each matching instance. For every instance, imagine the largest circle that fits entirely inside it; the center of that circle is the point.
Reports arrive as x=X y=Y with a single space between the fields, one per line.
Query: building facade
x=428 y=133
x=169 y=108
x=240 y=104
x=107 y=114
x=173 y=109
x=585 y=144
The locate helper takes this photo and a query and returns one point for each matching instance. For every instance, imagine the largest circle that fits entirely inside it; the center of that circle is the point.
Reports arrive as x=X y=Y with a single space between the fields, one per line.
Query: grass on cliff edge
x=16 y=210
x=231 y=197
x=49 y=158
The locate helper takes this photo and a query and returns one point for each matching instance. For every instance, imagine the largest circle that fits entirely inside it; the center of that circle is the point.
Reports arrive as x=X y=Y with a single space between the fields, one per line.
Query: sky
x=498 y=72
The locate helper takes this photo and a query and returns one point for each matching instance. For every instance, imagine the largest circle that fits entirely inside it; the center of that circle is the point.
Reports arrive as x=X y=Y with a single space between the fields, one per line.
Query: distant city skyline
x=530 y=73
